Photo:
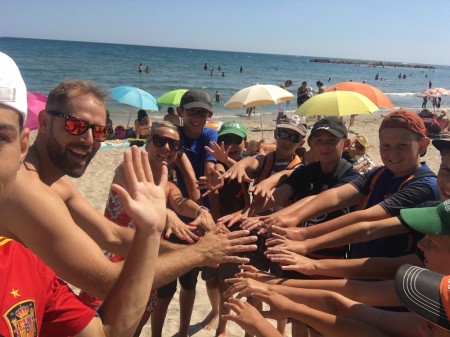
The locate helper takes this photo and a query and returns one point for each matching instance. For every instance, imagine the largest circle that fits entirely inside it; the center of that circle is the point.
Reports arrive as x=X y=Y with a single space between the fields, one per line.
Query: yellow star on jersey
x=15 y=292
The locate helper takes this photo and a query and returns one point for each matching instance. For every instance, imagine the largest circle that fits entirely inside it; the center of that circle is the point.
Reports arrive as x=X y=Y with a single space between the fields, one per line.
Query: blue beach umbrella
x=135 y=97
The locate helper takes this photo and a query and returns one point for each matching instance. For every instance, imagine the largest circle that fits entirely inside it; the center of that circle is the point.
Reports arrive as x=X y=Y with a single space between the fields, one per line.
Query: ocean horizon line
x=228 y=51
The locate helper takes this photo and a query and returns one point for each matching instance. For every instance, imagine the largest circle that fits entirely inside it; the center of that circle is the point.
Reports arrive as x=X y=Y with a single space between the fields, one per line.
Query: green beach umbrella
x=172 y=97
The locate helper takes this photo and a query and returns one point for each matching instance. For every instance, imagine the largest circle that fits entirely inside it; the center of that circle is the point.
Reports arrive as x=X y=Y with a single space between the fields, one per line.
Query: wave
x=404 y=94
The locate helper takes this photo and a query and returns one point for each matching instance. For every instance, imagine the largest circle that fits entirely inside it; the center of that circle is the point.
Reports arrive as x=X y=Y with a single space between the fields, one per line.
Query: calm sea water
x=46 y=62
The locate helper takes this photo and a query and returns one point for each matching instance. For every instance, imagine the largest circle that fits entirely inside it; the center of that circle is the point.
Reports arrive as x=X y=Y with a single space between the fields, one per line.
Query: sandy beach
x=94 y=185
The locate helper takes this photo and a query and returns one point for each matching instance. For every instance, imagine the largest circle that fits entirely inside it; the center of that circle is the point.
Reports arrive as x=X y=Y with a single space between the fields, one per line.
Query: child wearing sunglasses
x=290 y=135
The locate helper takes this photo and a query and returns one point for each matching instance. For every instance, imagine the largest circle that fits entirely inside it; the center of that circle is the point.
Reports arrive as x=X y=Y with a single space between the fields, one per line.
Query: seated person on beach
x=443 y=120
x=142 y=125
x=356 y=154
x=162 y=146
x=34 y=301
x=172 y=117
x=404 y=182
x=351 y=303
x=70 y=133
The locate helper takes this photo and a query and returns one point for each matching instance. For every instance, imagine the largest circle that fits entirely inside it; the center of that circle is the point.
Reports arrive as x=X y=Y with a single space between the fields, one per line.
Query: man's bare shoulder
x=65 y=188
x=31 y=202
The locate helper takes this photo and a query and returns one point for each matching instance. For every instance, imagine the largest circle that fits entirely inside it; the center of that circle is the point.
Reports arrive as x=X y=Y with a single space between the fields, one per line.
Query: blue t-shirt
x=393 y=194
x=194 y=150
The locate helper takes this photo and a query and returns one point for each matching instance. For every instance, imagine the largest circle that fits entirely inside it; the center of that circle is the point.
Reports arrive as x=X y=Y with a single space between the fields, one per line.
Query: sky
x=386 y=30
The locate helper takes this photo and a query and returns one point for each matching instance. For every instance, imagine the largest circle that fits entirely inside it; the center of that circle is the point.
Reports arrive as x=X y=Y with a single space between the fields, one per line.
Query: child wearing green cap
x=233 y=196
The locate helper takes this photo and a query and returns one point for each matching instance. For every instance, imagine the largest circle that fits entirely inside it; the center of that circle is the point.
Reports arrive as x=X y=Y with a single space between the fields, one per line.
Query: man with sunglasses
x=46 y=211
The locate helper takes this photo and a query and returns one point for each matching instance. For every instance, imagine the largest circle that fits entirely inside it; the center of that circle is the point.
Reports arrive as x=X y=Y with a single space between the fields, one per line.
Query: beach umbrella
x=337 y=103
x=258 y=95
x=135 y=97
x=172 y=97
x=374 y=94
x=36 y=103
x=434 y=92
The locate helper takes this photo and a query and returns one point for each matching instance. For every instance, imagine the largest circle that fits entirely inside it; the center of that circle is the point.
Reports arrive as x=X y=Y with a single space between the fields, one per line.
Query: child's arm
x=314 y=292
x=213 y=182
x=325 y=202
x=378 y=268
x=186 y=169
x=327 y=324
x=240 y=169
x=265 y=188
x=213 y=198
x=354 y=233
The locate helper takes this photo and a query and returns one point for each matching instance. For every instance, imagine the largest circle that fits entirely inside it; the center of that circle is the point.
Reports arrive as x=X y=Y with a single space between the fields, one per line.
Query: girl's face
x=163 y=146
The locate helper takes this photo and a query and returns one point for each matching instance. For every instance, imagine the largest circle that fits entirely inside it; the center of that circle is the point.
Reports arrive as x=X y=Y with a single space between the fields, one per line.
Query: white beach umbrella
x=258 y=95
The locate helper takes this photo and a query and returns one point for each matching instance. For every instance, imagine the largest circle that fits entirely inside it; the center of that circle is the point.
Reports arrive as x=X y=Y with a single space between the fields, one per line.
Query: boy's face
x=400 y=150
x=287 y=142
x=238 y=145
x=194 y=120
x=327 y=147
x=443 y=176
x=13 y=148
x=436 y=250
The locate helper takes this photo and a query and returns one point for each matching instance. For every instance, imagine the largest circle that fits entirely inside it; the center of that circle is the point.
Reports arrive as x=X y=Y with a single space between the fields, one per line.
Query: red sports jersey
x=33 y=301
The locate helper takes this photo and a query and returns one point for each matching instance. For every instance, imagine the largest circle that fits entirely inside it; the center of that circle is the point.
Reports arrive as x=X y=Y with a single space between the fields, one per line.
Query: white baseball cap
x=13 y=92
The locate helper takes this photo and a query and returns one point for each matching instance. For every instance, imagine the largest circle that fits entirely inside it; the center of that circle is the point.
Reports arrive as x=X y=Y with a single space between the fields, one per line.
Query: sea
x=44 y=63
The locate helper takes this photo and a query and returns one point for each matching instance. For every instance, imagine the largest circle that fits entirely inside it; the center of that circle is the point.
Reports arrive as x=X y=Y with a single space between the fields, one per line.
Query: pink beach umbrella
x=36 y=103
x=434 y=92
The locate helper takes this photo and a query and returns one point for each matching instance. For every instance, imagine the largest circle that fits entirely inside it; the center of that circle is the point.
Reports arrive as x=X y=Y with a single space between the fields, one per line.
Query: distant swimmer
x=205 y=67
x=147 y=69
x=219 y=68
x=140 y=68
x=241 y=69
x=223 y=74
x=218 y=96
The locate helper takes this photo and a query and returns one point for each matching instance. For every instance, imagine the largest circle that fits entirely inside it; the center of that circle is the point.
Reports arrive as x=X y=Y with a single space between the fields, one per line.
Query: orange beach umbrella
x=374 y=94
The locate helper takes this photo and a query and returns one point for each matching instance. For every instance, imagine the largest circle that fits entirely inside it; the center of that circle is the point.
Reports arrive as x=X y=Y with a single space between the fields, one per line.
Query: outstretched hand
x=237 y=171
x=244 y=287
x=280 y=242
x=220 y=246
x=218 y=151
x=144 y=201
x=211 y=183
x=293 y=261
x=249 y=318
x=179 y=228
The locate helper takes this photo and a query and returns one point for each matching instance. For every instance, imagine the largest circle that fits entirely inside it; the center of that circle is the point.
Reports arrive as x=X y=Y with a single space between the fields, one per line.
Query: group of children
x=293 y=205
x=326 y=220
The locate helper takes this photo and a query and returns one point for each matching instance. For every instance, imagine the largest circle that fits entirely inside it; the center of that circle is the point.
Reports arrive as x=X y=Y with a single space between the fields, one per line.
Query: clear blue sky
x=387 y=30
